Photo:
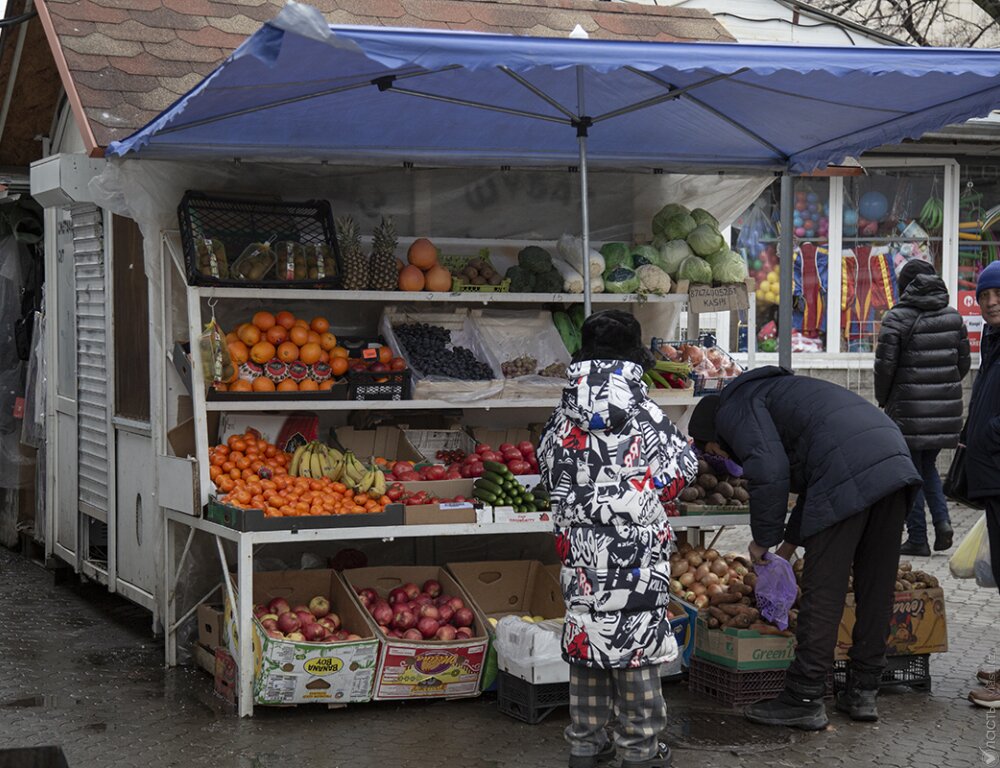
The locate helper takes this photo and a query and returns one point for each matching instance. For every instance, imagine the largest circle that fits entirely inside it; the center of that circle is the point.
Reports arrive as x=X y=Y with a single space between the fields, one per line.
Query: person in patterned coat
x=609 y=457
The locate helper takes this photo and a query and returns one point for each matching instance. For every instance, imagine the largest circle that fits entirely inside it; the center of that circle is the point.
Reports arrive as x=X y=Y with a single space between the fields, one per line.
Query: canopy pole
x=786 y=261
x=581 y=137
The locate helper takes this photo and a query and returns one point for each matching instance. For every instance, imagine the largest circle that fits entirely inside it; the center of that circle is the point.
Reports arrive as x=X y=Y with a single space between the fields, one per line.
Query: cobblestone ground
x=81 y=671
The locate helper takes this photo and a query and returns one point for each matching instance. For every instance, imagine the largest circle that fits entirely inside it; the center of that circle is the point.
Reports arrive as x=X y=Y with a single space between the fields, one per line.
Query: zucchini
x=495 y=466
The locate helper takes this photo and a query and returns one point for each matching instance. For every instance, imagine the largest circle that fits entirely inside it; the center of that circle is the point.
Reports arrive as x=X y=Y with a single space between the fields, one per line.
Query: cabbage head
x=695 y=270
x=645 y=254
x=730 y=268
x=672 y=254
x=677 y=227
x=702 y=216
x=615 y=255
x=705 y=240
x=622 y=280
x=666 y=213
x=718 y=256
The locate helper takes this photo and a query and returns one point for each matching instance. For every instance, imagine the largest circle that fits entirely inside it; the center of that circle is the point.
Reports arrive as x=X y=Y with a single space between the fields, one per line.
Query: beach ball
x=873 y=206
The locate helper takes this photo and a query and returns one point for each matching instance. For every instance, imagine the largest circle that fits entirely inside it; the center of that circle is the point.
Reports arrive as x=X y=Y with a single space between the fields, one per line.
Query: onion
x=741 y=570
x=675 y=558
x=690 y=596
x=700 y=549
x=701 y=601
x=701 y=572
x=684 y=548
x=714 y=589
x=698 y=588
x=686 y=579
x=676 y=587
x=719 y=567
x=711 y=554
x=681 y=567
x=694 y=559
x=734 y=580
x=710 y=578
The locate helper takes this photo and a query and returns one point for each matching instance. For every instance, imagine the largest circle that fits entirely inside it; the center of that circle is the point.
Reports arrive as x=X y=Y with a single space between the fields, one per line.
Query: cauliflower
x=652 y=279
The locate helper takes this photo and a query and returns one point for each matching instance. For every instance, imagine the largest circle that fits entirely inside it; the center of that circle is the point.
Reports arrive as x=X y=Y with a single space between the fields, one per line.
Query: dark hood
x=925 y=292
x=757 y=374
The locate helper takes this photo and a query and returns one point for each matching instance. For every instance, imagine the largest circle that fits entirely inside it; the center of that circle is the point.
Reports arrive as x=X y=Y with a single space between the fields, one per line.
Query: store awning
x=299 y=89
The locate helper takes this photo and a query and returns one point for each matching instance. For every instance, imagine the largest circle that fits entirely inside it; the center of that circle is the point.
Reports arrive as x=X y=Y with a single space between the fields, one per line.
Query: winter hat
x=702 y=424
x=613 y=335
x=910 y=270
x=988 y=278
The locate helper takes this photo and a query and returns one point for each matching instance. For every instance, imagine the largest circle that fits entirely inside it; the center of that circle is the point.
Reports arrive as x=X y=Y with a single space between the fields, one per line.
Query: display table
x=247 y=544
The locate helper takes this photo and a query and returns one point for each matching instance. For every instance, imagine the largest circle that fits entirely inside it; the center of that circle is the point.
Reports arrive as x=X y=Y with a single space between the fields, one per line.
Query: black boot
x=800 y=705
x=915 y=550
x=592 y=761
x=943 y=535
x=858 y=697
x=661 y=759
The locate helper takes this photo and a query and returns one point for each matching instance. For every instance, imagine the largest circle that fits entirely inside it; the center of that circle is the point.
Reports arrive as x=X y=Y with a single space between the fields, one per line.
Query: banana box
x=916 y=626
x=302 y=672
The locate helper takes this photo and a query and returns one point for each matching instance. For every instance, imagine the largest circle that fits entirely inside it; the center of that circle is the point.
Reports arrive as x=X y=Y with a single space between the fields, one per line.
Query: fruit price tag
x=371 y=353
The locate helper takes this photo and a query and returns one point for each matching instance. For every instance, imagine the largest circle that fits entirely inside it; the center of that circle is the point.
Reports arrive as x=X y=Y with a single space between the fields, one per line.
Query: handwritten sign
x=723 y=298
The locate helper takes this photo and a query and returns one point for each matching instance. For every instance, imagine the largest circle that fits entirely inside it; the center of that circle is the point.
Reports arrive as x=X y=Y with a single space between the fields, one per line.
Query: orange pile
x=252 y=474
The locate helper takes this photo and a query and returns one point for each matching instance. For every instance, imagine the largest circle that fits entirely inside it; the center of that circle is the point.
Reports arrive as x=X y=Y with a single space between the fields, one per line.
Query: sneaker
x=859 y=704
x=915 y=550
x=592 y=761
x=789 y=710
x=985 y=697
x=989 y=677
x=943 y=536
x=661 y=759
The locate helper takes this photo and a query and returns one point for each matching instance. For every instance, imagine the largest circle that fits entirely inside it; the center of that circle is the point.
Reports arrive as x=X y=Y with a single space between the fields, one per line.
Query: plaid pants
x=636 y=694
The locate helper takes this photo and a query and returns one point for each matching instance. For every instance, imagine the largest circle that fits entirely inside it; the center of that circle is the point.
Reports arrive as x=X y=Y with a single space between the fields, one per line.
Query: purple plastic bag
x=776 y=589
x=721 y=466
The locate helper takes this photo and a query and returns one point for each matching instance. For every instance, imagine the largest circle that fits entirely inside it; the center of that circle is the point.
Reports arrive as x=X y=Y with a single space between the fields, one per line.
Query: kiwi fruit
x=479 y=280
x=494 y=279
x=470 y=273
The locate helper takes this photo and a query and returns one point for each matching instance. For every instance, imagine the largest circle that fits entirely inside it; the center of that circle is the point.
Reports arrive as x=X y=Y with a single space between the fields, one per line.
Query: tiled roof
x=124 y=61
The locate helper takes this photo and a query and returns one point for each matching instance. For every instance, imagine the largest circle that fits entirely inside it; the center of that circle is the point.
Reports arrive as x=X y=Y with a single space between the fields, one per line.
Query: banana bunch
x=354 y=471
x=316 y=460
x=373 y=483
x=932 y=214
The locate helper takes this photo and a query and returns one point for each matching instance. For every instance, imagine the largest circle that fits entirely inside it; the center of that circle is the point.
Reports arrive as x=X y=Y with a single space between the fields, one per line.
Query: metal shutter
x=91 y=360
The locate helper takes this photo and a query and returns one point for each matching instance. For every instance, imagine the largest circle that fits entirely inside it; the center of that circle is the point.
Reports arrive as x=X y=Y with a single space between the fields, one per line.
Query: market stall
x=484 y=100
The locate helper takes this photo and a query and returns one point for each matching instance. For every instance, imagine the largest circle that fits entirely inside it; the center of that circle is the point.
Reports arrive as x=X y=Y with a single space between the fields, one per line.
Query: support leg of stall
x=581 y=137
x=244 y=577
x=786 y=261
x=168 y=596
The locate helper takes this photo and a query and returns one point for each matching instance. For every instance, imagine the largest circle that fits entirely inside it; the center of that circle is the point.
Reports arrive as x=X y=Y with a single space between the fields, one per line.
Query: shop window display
x=978 y=237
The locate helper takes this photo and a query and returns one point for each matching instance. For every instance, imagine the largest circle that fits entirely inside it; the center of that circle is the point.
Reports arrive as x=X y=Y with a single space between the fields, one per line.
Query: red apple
x=430 y=612
x=295 y=637
x=412 y=634
x=313 y=631
x=445 y=633
x=334 y=619
x=305 y=617
x=432 y=588
x=368 y=594
x=428 y=627
x=279 y=605
x=319 y=606
x=271 y=625
x=456 y=604
x=352 y=637
x=445 y=613
x=404 y=619
x=463 y=617
x=411 y=589
x=288 y=622
x=382 y=614
x=301 y=608
x=463 y=633
x=259 y=610
x=398 y=595
x=383 y=629
x=276 y=634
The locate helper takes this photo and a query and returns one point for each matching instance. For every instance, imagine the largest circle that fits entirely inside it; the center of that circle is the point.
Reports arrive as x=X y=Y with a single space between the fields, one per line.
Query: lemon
x=492 y=621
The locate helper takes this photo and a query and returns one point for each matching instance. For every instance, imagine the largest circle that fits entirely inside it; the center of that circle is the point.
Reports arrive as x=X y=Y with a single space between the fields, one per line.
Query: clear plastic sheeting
x=529 y=643
x=33 y=423
x=513 y=334
x=14 y=460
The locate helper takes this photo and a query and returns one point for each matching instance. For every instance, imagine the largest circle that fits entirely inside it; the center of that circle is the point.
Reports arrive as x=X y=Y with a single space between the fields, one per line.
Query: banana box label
x=410 y=671
x=917 y=624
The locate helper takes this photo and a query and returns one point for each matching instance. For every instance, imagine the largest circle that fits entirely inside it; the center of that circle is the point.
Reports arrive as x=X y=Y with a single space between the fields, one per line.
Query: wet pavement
x=81 y=670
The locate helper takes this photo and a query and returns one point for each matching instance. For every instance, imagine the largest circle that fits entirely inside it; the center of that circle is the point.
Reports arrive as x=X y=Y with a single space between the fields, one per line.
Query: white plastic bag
x=963 y=562
x=530 y=644
x=983 y=565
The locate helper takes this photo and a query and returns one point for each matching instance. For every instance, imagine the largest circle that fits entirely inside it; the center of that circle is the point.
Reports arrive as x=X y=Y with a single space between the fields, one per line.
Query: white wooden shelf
x=262 y=404
x=383 y=297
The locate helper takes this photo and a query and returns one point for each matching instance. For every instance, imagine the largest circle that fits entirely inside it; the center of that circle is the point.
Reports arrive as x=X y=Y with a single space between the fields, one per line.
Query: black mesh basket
x=526 y=701
x=216 y=231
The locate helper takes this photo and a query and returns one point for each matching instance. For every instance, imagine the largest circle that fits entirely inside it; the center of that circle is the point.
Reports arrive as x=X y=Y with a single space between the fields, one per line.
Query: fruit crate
x=527 y=702
x=731 y=687
x=458 y=285
x=235 y=223
x=686 y=509
x=703 y=385
x=240 y=519
x=366 y=385
x=913 y=671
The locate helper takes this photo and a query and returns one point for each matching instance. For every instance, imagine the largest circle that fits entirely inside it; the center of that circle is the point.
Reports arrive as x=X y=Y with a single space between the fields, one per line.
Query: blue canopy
x=299 y=89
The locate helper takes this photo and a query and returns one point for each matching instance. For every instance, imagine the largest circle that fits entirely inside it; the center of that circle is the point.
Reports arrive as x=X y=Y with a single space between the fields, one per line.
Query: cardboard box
x=388 y=442
x=451 y=513
x=917 y=624
x=204 y=657
x=720 y=298
x=210 y=618
x=686 y=617
x=510 y=515
x=742 y=648
x=226 y=676
x=283 y=431
x=410 y=669
x=182 y=440
x=288 y=672
x=427 y=442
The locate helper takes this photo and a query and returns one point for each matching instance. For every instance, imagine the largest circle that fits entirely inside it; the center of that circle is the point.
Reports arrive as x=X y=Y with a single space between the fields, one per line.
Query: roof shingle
x=147 y=52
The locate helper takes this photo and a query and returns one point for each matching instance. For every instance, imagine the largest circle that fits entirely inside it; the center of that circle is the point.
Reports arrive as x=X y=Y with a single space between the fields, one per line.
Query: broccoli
x=549 y=282
x=521 y=280
x=535 y=259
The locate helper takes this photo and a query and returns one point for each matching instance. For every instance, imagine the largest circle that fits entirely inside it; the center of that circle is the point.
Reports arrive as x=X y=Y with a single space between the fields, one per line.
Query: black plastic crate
x=733 y=687
x=367 y=385
x=528 y=702
x=236 y=223
x=912 y=671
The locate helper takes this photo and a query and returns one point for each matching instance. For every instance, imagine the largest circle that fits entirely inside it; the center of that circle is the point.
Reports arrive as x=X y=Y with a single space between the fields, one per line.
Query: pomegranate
x=463 y=617
x=319 y=606
x=412 y=590
x=278 y=605
x=313 y=631
x=429 y=612
x=428 y=627
x=446 y=633
x=432 y=588
x=404 y=619
x=288 y=622
x=382 y=614
x=412 y=634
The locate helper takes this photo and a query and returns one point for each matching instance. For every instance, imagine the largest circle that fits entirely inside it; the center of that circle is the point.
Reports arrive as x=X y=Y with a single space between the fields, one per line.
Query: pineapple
x=355 y=260
x=382 y=273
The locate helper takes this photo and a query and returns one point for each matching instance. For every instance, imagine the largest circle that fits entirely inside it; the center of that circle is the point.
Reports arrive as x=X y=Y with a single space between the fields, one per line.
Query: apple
x=334 y=619
x=313 y=631
x=404 y=619
x=273 y=616
x=411 y=589
x=295 y=637
x=271 y=625
x=382 y=614
x=428 y=627
x=445 y=633
x=305 y=617
x=445 y=612
x=463 y=617
x=430 y=612
x=368 y=594
x=319 y=606
x=276 y=634
x=288 y=622
x=432 y=588
x=398 y=595
x=456 y=604
x=300 y=608
x=379 y=368
x=259 y=610
x=412 y=634
x=279 y=605
x=463 y=633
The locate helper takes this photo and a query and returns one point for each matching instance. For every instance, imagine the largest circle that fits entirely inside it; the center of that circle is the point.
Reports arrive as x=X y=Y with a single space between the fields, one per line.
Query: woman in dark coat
x=921 y=359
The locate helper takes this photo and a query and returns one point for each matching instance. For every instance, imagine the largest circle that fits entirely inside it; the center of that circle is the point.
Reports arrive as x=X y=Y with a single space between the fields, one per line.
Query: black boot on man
x=943 y=536
x=859 y=697
x=800 y=705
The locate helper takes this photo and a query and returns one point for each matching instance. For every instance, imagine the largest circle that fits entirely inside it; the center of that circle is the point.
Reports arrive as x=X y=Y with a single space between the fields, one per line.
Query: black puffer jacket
x=835 y=449
x=921 y=359
x=982 y=439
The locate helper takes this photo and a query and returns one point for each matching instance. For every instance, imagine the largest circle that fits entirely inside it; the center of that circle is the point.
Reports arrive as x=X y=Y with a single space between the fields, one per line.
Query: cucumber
x=495 y=466
x=493 y=477
x=531 y=508
x=483 y=495
x=486 y=485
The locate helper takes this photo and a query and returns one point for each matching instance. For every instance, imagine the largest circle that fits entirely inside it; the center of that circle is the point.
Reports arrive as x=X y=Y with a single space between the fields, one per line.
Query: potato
x=725 y=489
x=680 y=567
x=708 y=482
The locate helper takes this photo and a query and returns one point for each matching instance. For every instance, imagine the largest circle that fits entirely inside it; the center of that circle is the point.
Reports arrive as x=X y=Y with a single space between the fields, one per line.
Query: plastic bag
x=983 y=566
x=212 y=261
x=757 y=233
x=33 y=422
x=776 y=589
x=256 y=263
x=530 y=644
x=216 y=364
x=963 y=562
